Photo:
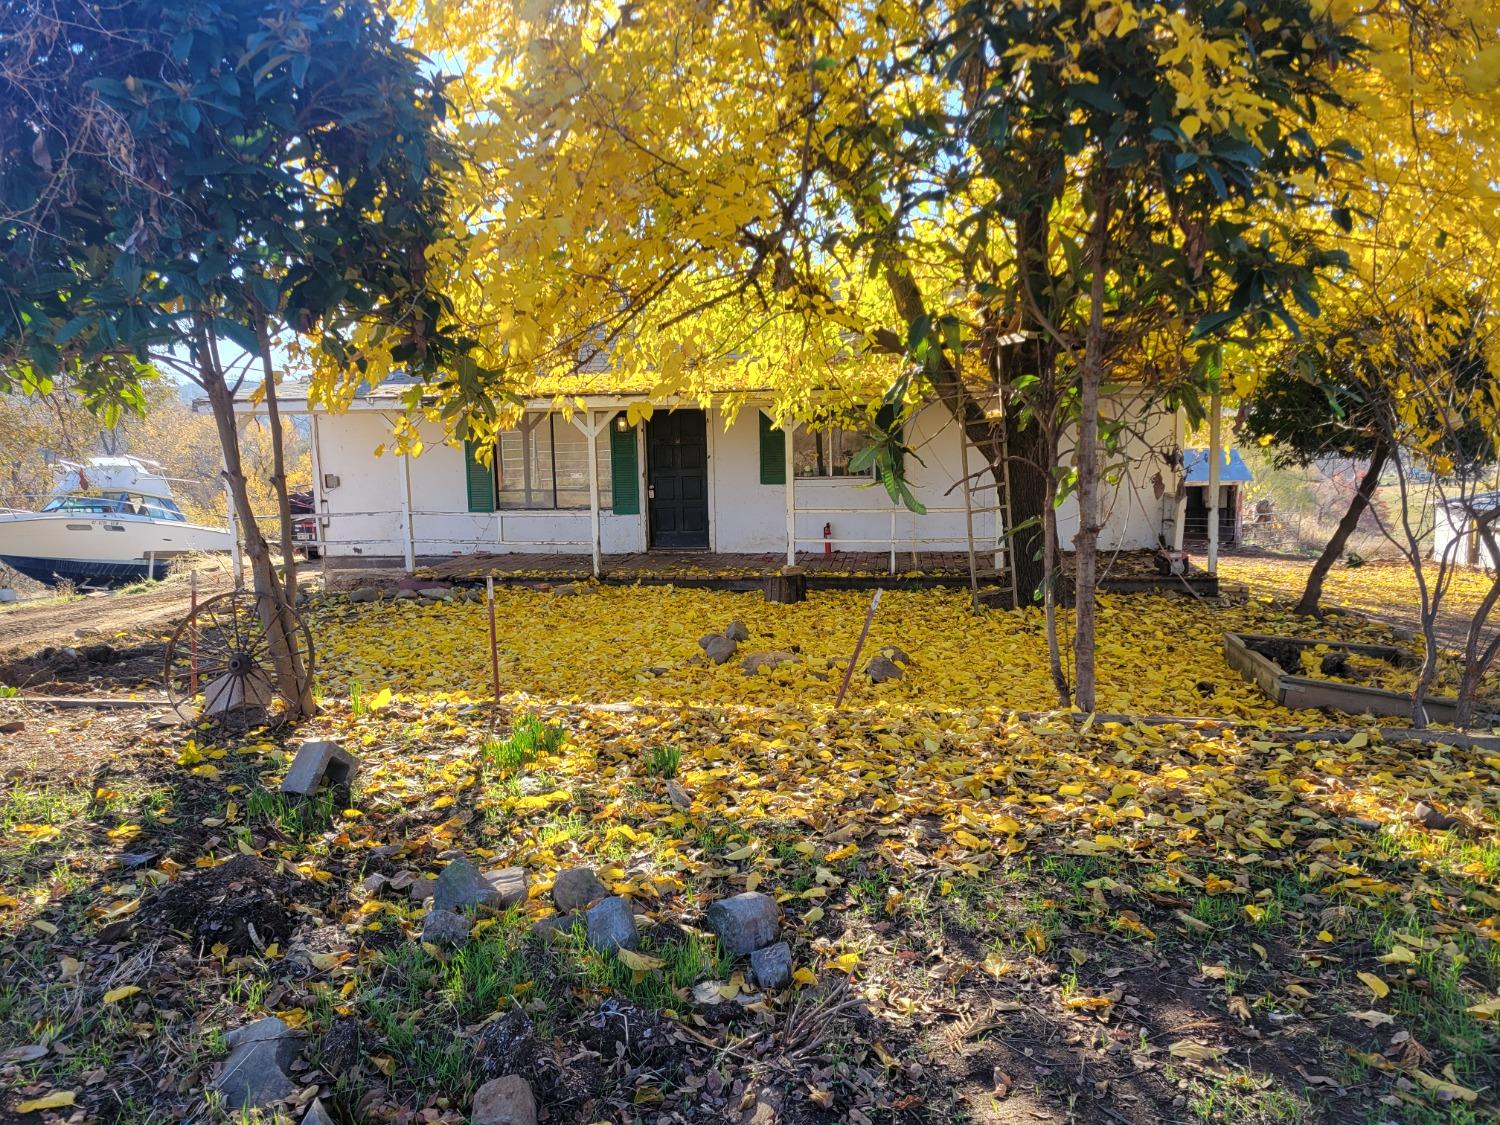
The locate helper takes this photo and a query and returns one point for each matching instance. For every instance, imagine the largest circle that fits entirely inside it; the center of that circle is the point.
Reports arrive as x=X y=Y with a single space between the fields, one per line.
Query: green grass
x=529 y=738
x=663 y=761
x=292 y=816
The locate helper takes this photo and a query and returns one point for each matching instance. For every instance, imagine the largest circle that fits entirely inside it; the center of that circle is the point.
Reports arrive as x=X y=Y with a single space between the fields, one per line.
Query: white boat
x=112 y=520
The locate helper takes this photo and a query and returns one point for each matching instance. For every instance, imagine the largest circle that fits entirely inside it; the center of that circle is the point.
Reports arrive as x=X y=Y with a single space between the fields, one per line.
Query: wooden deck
x=839 y=570
x=720 y=571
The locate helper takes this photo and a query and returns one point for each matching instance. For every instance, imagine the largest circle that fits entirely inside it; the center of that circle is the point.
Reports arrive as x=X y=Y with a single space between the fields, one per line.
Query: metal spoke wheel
x=219 y=665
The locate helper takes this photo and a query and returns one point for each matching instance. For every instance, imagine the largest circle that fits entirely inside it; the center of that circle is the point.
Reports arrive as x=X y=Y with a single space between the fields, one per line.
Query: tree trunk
x=1478 y=656
x=1049 y=595
x=1312 y=593
x=278 y=462
x=1028 y=454
x=292 y=682
x=1086 y=456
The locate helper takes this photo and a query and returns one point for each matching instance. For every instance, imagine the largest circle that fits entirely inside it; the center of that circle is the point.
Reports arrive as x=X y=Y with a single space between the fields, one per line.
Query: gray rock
x=314 y=762
x=461 y=886
x=612 y=926
x=437 y=593
x=445 y=927
x=758 y=660
x=364 y=594
x=681 y=799
x=554 y=926
x=407 y=595
x=737 y=631
x=883 y=668
x=255 y=1074
x=316 y=1114
x=422 y=889
x=717 y=647
x=1429 y=817
x=895 y=653
x=772 y=966
x=745 y=922
x=510 y=884
x=504 y=1101
x=576 y=888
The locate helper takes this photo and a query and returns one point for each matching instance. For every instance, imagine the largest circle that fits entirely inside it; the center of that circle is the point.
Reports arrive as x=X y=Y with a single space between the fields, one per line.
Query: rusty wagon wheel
x=218 y=665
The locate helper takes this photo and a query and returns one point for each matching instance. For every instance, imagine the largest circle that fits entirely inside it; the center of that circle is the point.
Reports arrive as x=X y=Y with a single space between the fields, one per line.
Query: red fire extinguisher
x=828 y=539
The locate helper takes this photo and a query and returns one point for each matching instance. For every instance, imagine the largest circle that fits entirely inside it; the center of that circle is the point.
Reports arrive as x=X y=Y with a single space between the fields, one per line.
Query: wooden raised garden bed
x=1251 y=655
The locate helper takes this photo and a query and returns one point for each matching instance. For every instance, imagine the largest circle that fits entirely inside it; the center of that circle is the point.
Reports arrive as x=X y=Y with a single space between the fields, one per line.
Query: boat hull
x=99 y=550
x=83 y=573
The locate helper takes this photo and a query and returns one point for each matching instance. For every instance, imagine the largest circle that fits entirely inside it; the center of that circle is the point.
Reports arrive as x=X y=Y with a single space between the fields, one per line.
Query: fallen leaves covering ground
x=1158 y=654
x=1384 y=589
x=993 y=918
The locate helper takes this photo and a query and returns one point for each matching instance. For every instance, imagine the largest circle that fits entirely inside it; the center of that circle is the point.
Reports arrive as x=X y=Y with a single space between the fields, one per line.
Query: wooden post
x=193 y=633
x=788 y=587
x=236 y=556
x=1179 y=523
x=963 y=467
x=489 y=601
x=592 y=432
x=1215 y=455
x=408 y=533
x=858 y=646
x=791 y=496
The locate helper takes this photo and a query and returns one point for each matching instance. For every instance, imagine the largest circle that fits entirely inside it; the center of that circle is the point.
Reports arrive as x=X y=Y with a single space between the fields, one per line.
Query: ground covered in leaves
x=994 y=917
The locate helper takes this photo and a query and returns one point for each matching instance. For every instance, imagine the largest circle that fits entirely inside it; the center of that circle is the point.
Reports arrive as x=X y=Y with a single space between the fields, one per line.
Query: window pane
x=527 y=460
x=824 y=453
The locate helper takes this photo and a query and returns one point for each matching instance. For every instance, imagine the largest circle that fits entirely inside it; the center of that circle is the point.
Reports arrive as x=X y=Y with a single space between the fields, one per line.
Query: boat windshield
x=123 y=504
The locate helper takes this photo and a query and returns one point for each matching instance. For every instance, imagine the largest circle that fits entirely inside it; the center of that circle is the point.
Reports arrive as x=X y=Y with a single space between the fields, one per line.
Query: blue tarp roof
x=1232 y=471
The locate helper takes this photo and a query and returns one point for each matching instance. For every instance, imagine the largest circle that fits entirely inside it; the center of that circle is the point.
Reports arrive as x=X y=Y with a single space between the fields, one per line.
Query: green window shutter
x=772 y=451
x=885 y=420
x=480 y=479
x=624 y=476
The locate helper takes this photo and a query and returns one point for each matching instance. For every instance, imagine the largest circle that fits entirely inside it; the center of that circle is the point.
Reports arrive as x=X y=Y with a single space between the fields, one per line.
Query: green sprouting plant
x=8 y=692
x=356 y=699
x=529 y=737
x=663 y=761
x=297 y=817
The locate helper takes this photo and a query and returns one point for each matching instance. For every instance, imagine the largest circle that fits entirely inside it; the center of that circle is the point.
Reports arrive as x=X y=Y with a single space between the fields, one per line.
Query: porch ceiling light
x=621 y=423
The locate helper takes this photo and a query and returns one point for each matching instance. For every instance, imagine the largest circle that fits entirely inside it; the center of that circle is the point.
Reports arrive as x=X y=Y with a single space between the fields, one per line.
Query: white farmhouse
x=720 y=477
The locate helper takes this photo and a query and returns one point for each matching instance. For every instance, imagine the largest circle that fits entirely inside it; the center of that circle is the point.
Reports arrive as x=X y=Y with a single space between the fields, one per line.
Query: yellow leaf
x=640 y=962
x=1445 y=1089
x=1399 y=955
x=45 y=926
x=804 y=975
x=125 y=991
x=1375 y=985
x=1195 y=1052
x=379 y=700
x=846 y=961
x=60 y=1099
x=1489 y=1009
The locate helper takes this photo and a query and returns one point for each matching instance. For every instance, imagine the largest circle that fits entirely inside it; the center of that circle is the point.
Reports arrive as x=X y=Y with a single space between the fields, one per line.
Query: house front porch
x=1123 y=573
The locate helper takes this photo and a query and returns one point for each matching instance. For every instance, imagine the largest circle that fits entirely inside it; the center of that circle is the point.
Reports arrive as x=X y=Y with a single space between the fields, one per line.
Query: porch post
x=236 y=556
x=791 y=497
x=1179 y=523
x=1215 y=455
x=318 y=500
x=593 y=435
x=408 y=533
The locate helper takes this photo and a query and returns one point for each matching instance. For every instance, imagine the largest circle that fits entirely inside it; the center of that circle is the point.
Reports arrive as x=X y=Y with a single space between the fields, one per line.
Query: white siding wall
x=364 y=511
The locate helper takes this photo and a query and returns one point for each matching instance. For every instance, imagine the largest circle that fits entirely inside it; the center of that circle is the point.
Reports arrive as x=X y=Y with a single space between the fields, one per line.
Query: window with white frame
x=543 y=465
x=826 y=453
